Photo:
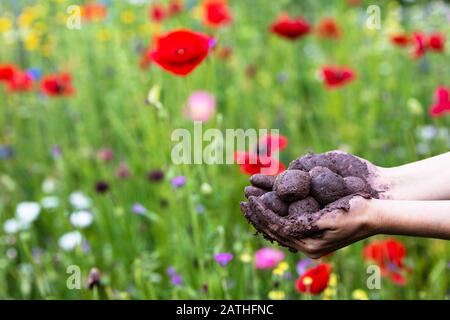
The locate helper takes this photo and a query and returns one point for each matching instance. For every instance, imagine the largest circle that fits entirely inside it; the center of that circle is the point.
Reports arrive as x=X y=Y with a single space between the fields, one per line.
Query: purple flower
x=178 y=181
x=176 y=280
x=171 y=271
x=223 y=258
x=101 y=187
x=139 y=209
x=199 y=208
x=56 y=151
x=6 y=152
x=303 y=265
x=155 y=175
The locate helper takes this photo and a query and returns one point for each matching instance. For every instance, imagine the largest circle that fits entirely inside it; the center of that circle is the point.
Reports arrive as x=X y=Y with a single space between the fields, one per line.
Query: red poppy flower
x=290 y=28
x=21 y=81
x=420 y=45
x=388 y=255
x=328 y=28
x=314 y=280
x=57 y=85
x=216 y=13
x=262 y=158
x=401 y=39
x=175 y=7
x=94 y=12
x=181 y=51
x=157 y=13
x=335 y=77
x=7 y=72
x=442 y=104
x=436 y=42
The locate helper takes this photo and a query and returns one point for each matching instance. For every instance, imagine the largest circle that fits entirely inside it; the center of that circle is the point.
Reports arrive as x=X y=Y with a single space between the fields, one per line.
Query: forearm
x=428 y=179
x=413 y=218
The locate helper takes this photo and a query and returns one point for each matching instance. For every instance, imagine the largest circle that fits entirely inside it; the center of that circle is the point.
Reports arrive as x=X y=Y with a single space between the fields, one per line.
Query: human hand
x=344 y=222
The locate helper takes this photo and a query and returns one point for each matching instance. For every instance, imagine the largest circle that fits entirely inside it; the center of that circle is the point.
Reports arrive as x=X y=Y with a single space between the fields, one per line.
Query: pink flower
x=268 y=258
x=106 y=154
x=200 y=106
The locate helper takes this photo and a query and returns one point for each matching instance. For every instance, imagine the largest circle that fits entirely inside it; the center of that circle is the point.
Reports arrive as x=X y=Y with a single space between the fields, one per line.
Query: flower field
x=92 y=205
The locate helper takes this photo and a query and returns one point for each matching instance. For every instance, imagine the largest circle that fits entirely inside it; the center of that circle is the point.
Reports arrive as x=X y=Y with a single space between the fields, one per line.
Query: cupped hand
x=330 y=229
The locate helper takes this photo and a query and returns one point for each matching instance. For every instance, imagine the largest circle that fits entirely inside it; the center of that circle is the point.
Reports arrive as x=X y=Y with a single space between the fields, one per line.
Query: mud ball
x=253 y=191
x=304 y=206
x=262 y=181
x=347 y=165
x=274 y=203
x=326 y=186
x=311 y=160
x=355 y=185
x=292 y=185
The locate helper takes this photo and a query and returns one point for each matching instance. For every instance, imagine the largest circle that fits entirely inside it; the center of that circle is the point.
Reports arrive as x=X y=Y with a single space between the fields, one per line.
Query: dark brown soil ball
x=348 y=165
x=304 y=206
x=355 y=185
x=253 y=191
x=274 y=203
x=326 y=186
x=311 y=160
x=292 y=185
x=262 y=181
x=296 y=165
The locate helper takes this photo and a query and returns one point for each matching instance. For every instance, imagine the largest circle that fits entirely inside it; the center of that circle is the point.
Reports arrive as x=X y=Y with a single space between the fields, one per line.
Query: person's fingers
x=250 y=191
x=262 y=181
x=271 y=224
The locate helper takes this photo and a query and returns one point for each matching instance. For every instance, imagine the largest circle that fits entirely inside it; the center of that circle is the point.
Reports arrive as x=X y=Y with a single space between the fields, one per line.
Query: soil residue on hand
x=287 y=206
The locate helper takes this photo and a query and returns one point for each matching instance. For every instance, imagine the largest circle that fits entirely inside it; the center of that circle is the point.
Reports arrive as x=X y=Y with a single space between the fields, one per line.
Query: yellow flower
x=127 y=17
x=360 y=294
x=31 y=42
x=103 y=35
x=333 y=280
x=281 y=269
x=276 y=295
x=5 y=24
x=25 y=19
x=246 y=258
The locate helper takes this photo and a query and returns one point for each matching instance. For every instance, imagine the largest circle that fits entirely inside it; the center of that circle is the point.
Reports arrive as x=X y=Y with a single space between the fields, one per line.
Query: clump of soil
x=292 y=185
x=287 y=206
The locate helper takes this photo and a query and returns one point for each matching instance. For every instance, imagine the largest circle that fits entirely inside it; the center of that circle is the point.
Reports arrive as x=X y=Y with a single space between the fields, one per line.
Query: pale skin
x=415 y=202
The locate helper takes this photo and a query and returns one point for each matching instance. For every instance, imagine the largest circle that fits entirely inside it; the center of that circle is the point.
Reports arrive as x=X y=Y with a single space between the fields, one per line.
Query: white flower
x=79 y=200
x=50 y=202
x=427 y=132
x=48 y=186
x=11 y=226
x=81 y=219
x=27 y=212
x=70 y=240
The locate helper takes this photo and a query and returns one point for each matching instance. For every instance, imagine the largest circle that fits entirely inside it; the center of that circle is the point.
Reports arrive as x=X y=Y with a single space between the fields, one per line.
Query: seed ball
x=292 y=185
x=253 y=191
x=326 y=186
x=274 y=203
x=262 y=181
x=355 y=185
x=309 y=161
x=348 y=165
x=296 y=165
x=305 y=206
